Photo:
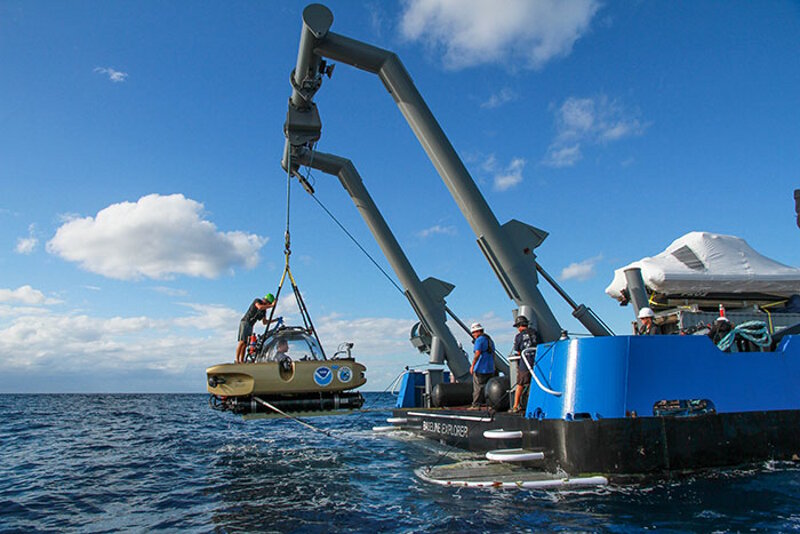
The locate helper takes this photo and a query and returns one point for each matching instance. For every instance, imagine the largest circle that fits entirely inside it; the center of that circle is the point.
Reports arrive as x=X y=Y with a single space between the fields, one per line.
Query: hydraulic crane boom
x=509 y=247
x=426 y=297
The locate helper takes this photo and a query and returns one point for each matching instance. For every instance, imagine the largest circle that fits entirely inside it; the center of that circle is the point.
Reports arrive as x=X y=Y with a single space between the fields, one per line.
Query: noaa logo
x=323 y=376
x=345 y=374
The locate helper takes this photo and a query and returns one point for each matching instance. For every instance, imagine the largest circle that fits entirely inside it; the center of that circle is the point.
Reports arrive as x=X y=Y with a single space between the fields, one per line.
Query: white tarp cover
x=700 y=263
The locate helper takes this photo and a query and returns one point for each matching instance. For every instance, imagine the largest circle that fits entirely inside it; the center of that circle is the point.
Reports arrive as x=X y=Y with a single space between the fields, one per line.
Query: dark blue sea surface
x=105 y=463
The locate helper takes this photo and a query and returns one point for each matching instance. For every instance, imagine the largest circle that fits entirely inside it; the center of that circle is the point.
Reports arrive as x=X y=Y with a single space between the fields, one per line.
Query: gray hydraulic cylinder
x=429 y=309
x=515 y=271
x=583 y=314
x=316 y=22
x=636 y=289
x=437 y=350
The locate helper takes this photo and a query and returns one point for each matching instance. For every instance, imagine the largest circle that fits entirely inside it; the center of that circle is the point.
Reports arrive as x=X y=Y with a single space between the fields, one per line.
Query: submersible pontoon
x=609 y=404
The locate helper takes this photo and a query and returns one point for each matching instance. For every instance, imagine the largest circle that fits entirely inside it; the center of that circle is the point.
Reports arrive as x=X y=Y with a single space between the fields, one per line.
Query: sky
x=142 y=203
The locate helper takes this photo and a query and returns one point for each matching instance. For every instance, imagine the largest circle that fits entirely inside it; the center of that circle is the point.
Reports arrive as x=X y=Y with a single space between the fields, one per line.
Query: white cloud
x=177 y=346
x=582 y=270
x=563 y=156
x=156 y=237
x=519 y=33
x=170 y=292
x=26 y=245
x=511 y=176
x=210 y=316
x=504 y=96
x=372 y=336
x=377 y=17
x=593 y=121
x=436 y=230
x=67 y=217
x=15 y=310
x=86 y=342
x=113 y=75
x=489 y=164
x=173 y=348
x=25 y=295
x=203 y=337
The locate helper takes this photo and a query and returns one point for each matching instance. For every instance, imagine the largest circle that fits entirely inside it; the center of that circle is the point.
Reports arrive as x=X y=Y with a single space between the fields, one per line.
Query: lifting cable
x=287 y=250
x=354 y=240
x=369 y=256
x=375 y=263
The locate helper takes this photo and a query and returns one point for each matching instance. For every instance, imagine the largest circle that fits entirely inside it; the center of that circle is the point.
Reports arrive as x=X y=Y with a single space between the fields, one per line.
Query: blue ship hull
x=625 y=375
x=652 y=405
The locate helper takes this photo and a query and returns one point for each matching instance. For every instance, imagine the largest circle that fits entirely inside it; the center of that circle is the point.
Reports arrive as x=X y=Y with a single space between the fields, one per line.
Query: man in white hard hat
x=648 y=327
x=482 y=368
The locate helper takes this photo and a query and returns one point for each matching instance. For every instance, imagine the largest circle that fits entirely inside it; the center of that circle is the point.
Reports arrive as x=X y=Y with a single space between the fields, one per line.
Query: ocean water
x=108 y=463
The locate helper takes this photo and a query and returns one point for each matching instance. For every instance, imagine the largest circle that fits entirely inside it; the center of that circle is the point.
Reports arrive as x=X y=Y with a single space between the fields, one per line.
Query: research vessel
x=601 y=407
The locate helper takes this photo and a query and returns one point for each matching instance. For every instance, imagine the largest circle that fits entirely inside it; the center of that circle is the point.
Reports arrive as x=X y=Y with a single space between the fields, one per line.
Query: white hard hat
x=646 y=312
x=476 y=327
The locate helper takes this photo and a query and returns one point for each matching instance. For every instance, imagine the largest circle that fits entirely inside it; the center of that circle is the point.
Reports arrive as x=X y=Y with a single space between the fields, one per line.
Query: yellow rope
x=769 y=315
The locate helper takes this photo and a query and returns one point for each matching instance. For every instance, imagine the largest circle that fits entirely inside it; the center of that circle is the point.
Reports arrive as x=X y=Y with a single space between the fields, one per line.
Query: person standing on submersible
x=482 y=368
x=256 y=311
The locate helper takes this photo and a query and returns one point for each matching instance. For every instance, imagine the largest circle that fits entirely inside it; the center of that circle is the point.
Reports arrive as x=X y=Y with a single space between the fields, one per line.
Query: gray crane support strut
x=429 y=308
x=511 y=259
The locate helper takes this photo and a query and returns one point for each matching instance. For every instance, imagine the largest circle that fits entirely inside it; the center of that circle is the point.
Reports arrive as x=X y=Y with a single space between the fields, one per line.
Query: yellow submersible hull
x=288 y=372
x=274 y=378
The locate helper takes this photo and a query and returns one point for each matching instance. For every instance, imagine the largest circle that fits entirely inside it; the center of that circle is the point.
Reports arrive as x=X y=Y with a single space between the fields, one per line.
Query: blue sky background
x=616 y=127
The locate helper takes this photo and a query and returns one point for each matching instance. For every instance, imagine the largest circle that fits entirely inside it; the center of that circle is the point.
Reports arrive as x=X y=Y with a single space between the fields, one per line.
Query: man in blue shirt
x=482 y=368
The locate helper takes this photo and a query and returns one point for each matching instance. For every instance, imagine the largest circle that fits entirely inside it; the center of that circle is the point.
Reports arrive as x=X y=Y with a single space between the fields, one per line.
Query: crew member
x=721 y=328
x=482 y=368
x=281 y=349
x=648 y=327
x=283 y=359
x=256 y=311
x=526 y=338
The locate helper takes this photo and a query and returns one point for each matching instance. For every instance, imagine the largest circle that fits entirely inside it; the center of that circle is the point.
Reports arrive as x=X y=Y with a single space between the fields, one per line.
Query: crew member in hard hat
x=527 y=338
x=256 y=311
x=482 y=368
x=648 y=327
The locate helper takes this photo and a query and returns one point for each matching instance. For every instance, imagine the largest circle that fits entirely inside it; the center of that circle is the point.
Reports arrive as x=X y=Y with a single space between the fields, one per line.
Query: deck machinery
x=615 y=405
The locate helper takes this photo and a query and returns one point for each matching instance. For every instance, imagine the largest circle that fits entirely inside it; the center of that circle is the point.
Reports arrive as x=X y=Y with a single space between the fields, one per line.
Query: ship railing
x=532 y=352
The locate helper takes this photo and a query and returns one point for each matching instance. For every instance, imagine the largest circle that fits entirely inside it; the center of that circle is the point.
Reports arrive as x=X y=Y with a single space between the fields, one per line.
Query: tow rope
x=293 y=418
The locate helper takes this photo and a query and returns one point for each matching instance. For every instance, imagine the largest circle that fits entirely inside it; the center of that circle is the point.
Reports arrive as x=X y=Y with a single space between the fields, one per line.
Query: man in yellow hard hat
x=256 y=311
